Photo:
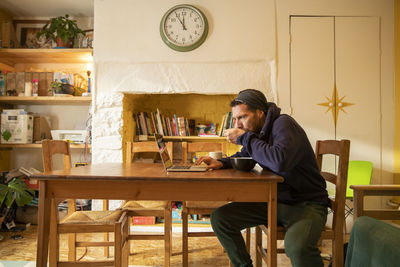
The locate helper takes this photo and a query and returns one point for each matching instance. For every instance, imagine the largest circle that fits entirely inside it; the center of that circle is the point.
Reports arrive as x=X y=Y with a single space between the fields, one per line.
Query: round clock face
x=184 y=28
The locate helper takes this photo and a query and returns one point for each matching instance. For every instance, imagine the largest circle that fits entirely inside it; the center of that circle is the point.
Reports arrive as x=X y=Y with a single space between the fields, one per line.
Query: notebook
x=167 y=162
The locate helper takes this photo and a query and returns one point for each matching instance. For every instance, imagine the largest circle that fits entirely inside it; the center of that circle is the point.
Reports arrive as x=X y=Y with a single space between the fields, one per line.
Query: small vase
x=60 y=43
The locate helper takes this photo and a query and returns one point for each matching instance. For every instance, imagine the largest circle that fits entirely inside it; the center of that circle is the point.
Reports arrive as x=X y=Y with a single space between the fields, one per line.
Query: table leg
x=272 y=226
x=43 y=226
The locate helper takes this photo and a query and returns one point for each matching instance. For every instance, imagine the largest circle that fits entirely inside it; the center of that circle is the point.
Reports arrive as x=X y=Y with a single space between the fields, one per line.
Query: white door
x=342 y=53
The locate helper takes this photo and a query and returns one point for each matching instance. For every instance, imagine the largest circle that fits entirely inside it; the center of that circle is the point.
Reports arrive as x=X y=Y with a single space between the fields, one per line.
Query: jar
x=35 y=87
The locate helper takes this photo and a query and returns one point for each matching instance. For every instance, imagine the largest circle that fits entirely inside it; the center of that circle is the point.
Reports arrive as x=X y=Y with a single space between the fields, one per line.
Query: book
x=159 y=122
x=11 y=83
x=153 y=124
x=176 y=126
x=20 y=82
x=49 y=80
x=2 y=84
x=143 y=124
x=42 y=84
x=137 y=126
x=221 y=127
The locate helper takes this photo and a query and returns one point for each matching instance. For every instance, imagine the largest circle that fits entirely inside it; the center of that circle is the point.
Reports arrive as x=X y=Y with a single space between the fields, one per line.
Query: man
x=278 y=144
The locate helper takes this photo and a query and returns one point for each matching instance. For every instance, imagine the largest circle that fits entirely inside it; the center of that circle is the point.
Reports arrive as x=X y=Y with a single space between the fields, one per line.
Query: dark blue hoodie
x=282 y=147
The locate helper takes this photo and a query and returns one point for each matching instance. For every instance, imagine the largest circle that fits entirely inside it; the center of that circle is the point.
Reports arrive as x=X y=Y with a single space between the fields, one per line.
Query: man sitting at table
x=278 y=143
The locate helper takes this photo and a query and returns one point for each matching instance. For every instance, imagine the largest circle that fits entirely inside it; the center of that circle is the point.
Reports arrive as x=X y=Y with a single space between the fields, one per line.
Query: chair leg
x=54 y=236
x=72 y=247
x=167 y=235
x=185 y=249
x=125 y=242
x=118 y=244
x=106 y=235
x=258 y=245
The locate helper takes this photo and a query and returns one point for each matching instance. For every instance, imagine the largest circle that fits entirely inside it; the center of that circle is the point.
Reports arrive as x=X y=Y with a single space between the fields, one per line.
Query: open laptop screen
x=165 y=158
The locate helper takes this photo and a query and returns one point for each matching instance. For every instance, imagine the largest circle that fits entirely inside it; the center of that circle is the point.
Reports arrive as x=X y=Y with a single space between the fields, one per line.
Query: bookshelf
x=42 y=60
x=45 y=100
x=204 y=109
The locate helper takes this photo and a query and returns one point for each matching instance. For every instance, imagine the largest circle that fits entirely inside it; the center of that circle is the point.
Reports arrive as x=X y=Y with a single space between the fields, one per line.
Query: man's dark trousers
x=304 y=223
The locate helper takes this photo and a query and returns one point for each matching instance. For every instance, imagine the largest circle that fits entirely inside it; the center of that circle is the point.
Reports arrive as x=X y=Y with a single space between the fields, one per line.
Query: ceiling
x=47 y=8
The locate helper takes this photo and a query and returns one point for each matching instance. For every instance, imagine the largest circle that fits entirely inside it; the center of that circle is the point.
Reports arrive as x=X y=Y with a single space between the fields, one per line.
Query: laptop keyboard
x=174 y=167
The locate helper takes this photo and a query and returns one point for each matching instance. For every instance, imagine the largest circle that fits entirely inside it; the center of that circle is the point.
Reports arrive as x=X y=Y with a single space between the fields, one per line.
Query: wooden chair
x=334 y=233
x=150 y=208
x=200 y=207
x=82 y=221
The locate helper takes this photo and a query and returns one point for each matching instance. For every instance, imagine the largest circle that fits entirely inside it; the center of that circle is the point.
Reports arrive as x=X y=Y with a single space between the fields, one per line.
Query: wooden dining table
x=150 y=181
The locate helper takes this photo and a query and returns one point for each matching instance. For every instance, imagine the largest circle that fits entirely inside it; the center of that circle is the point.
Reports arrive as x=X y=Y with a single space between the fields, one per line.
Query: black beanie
x=253 y=99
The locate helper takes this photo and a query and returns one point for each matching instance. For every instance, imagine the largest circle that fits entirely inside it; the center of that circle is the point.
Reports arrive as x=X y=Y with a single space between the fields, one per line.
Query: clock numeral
x=172 y=32
x=197 y=26
x=183 y=13
x=190 y=36
x=195 y=32
x=195 y=19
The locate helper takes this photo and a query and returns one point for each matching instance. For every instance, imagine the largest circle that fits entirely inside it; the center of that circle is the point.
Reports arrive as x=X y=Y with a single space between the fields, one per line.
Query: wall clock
x=184 y=28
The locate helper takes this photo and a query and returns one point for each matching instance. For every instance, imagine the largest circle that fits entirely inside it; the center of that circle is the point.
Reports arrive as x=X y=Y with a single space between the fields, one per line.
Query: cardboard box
x=41 y=129
x=143 y=220
x=16 y=127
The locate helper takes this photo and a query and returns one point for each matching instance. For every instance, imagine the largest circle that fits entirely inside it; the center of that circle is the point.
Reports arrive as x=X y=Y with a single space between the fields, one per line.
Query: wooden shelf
x=191 y=138
x=38 y=146
x=46 y=100
x=12 y=56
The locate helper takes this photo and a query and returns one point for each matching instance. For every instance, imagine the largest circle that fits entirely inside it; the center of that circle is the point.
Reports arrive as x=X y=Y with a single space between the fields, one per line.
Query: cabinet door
x=341 y=53
x=357 y=45
x=312 y=74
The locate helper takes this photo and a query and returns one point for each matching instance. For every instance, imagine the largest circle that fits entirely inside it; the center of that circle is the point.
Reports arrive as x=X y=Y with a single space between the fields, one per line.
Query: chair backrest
x=359 y=173
x=340 y=149
x=146 y=146
x=201 y=147
x=52 y=147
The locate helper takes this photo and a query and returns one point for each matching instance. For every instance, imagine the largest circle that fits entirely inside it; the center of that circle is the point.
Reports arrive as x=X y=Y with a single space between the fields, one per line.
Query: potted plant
x=62 y=88
x=15 y=190
x=62 y=30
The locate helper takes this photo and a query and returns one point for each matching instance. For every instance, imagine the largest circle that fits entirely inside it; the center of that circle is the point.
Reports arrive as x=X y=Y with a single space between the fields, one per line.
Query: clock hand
x=183 y=24
x=180 y=21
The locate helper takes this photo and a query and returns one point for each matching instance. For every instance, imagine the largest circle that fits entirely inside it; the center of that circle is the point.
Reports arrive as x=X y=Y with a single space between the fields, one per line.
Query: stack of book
x=149 y=123
x=227 y=122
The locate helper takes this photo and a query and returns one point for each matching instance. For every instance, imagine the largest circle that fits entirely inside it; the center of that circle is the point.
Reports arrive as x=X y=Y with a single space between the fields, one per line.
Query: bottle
x=28 y=89
x=35 y=87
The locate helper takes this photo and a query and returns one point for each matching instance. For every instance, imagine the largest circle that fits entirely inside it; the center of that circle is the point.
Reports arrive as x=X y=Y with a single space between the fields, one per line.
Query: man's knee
x=295 y=249
x=216 y=217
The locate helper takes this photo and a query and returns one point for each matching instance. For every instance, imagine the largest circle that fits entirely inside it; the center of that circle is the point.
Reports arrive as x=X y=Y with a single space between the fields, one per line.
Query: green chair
x=359 y=173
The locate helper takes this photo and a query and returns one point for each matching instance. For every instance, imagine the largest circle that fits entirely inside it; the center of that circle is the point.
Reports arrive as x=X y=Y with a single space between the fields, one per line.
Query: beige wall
x=397 y=91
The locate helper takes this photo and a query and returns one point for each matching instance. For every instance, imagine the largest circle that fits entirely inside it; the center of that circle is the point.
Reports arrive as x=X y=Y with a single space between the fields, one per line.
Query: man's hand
x=211 y=163
x=233 y=134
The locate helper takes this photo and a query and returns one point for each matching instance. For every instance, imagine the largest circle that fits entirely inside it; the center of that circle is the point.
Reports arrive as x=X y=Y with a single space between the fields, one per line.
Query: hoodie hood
x=272 y=114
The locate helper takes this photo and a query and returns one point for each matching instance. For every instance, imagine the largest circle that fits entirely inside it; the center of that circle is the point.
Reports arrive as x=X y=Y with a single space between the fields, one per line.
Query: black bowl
x=243 y=163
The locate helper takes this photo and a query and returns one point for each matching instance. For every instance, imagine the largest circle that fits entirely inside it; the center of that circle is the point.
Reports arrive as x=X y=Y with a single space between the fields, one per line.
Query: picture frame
x=26 y=31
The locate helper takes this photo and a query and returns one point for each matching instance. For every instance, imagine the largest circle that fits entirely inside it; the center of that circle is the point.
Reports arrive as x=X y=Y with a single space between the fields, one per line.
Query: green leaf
x=16 y=190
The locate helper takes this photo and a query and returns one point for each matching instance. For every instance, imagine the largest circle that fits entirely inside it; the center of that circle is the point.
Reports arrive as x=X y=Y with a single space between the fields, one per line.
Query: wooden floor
x=204 y=251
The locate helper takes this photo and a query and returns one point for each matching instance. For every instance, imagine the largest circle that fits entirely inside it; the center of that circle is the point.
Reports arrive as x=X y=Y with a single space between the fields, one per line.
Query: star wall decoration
x=335 y=104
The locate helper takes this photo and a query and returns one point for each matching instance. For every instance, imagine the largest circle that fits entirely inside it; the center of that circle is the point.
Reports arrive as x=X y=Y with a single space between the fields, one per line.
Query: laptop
x=167 y=162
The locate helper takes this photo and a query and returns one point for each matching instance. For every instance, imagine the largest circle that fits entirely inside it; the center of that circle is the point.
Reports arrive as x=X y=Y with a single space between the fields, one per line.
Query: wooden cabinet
x=57 y=107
